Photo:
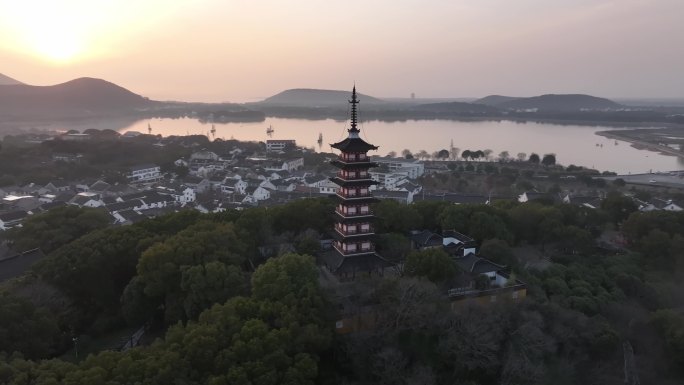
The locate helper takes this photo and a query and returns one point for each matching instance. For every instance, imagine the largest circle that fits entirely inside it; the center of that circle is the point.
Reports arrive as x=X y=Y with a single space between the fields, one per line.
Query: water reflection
x=572 y=144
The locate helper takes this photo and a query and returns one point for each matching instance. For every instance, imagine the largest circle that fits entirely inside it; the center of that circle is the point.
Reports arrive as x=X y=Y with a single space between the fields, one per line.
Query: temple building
x=353 y=251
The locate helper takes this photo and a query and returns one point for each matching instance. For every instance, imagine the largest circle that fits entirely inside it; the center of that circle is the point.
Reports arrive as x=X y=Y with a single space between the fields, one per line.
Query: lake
x=572 y=144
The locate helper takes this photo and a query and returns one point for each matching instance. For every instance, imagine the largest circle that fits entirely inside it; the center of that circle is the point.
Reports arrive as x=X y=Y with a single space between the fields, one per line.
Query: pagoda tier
x=354 y=246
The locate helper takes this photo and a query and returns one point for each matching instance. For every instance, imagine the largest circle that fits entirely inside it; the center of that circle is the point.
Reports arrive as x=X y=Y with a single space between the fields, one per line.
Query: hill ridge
x=315 y=97
x=8 y=81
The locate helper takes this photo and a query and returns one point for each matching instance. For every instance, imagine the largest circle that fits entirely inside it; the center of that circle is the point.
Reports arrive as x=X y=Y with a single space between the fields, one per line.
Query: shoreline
x=642 y=144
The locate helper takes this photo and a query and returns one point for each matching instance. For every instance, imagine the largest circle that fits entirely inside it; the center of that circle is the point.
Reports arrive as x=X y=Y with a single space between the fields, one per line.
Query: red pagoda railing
x=354 y=157
x=358 y=213
x=353 y=176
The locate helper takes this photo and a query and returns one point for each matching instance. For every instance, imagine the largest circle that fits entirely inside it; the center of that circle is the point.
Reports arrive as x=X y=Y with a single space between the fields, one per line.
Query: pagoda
x=354 y=248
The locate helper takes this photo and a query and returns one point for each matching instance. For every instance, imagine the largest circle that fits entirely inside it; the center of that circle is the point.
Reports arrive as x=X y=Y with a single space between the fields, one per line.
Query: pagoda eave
x=359 y=237
x=353 y=182
x=353 y=165
x=354 y=219
x=358 y=200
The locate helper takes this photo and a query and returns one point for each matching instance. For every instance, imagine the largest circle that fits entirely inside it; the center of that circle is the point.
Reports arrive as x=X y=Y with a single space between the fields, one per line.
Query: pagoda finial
x=354 y=101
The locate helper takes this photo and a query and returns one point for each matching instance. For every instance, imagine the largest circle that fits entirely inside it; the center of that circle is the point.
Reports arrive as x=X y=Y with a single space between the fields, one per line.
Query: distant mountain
x=567 y=102
x=77 y=98
x=302 y=97
x=456 y=108
x=495 y=100
x=6 y=80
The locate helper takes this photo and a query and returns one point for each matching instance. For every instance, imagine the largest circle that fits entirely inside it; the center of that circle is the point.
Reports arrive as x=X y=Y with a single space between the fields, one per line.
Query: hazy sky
x=241 y=50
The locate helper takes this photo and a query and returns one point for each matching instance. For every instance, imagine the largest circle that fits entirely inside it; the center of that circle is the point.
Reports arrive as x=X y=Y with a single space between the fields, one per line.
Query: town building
x=279 y=145
x=145 y=173
x=412 y=168
x=353 y=248
x=11 y=219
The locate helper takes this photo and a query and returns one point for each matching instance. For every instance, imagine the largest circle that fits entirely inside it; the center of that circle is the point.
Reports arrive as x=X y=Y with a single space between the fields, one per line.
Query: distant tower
x=354 y=247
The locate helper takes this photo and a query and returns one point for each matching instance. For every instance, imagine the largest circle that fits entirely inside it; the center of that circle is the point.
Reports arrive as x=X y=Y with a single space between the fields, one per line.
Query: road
x=672 y=179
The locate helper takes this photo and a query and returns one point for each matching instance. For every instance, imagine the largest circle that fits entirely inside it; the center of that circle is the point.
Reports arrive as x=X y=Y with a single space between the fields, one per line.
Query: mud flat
x=655 y=139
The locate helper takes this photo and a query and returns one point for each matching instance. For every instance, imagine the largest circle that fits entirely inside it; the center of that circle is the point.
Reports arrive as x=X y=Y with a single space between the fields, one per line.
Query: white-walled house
x=257 y=194
x=327 y=187
x=11 y=219
x=412 y=167
x=86 y=199
x=267 y=184
x=234 y=185
x=144 y=173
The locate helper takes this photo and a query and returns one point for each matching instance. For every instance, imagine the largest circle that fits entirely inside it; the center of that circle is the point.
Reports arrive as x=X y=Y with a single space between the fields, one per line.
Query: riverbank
x=651 y=139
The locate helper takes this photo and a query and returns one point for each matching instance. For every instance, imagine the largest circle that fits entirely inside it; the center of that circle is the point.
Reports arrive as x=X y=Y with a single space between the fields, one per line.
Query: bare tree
x=487 y=153
x=392 y=154
x=522 y=156
x=503 y=156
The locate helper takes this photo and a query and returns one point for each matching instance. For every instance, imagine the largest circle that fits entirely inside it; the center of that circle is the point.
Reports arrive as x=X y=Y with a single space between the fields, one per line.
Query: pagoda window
x=363 y=191
x=351 y=210
x=364 y=210
x=365 y=245
x=365 y=227
x=350 y=246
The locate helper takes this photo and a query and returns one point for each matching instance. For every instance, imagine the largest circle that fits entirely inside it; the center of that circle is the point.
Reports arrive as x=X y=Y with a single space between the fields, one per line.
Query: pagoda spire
x=354 y=101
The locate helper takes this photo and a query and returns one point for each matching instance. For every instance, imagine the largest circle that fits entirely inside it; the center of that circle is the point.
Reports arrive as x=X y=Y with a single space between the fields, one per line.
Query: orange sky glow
x=240 y=50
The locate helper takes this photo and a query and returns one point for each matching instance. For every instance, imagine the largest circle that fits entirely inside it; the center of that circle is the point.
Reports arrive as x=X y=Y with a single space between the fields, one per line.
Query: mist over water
x=572 y=144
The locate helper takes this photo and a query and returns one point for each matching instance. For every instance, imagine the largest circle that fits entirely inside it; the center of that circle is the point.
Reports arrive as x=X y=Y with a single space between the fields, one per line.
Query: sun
x=69 y=31
x=59 y=47
x=54 y=31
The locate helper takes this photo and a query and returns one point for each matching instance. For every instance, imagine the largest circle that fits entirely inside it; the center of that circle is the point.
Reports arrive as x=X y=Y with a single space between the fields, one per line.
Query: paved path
x=671 y=179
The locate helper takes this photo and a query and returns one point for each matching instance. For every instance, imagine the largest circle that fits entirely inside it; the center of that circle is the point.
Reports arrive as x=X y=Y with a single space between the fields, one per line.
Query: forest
x=218 y=310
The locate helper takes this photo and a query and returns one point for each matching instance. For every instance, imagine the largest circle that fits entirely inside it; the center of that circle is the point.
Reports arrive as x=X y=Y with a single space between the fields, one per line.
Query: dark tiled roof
x=354 y=145
x=477 y=265
x=383 y=194
x=52 y=205
x=100 y=186
x=427 y=238
x=13 y=216
x=120 y=206
x=59 y=183
x=143 y=167
x=18 y=264
x=455 y=234
x=131 y=216
x=340 y=264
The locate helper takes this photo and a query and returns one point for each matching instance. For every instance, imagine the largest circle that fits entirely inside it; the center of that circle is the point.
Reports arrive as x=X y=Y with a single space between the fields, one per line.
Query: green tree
x=498 y=251
x=57 y=227
x=396 y=217
x=393 y=246
x=26 y=329
x=484 y=226
x=618 y=206
x=549 y=159
x=534 y=158
x=171 y=271
x=433 y=264
x=95 y=269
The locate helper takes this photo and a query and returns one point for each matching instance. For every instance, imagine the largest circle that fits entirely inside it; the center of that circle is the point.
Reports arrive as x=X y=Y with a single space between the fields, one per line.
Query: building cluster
x=213 y=183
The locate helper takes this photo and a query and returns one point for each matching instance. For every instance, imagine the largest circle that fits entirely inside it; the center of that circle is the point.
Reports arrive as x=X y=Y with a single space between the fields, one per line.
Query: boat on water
x=320 y=137
x=269 y=130
x=213 y=130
